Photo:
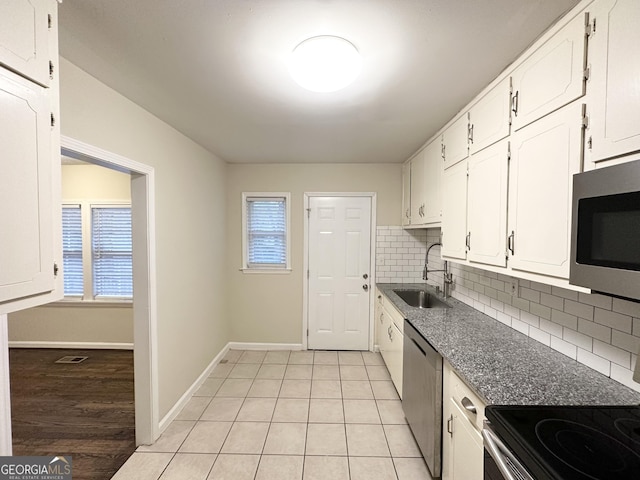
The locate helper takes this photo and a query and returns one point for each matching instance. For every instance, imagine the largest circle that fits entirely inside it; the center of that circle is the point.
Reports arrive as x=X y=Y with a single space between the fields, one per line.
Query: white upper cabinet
x=455 y=141
x=432 y=178
x=406 y=194
x=26 y=249
x=490 y=117
x=24 y=38
x=553 y=76
x=30 y=244
x=418 y=188
x=614 y=85
x=544 y=156
x=423 y=174
x=454 y=212
x=487 y=205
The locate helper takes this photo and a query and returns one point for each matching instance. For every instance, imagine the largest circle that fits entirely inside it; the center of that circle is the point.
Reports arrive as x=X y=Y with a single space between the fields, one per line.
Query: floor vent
x=71 y=359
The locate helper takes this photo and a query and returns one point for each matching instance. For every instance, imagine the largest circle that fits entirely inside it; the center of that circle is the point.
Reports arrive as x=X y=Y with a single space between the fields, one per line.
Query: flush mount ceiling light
x=325 y=63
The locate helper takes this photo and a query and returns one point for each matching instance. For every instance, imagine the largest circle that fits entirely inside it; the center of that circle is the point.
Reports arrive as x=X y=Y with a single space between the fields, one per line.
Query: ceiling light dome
x=325 y=63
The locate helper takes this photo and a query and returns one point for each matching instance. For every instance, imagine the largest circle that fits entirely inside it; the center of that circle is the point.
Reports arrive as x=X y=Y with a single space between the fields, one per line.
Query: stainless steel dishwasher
x=422 y=396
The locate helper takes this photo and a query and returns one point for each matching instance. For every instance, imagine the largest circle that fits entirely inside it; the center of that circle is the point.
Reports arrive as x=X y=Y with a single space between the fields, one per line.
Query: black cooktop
x=572 y=443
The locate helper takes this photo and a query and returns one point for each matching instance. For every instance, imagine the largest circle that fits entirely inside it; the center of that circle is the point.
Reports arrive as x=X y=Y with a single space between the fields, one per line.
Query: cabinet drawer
x=465 y=398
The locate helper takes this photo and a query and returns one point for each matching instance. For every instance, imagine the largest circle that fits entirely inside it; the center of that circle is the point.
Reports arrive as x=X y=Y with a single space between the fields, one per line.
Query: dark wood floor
x=84 y=410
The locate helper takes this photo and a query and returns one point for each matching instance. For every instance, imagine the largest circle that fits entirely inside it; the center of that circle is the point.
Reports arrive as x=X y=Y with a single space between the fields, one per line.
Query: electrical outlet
x=512 y=287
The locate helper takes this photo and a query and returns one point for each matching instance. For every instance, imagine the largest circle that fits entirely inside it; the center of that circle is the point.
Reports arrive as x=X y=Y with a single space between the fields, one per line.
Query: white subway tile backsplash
x=563 y=347
x=599 y=364
x=615 y=320
x=596 y=330
x=611 y=353
x=578 y=309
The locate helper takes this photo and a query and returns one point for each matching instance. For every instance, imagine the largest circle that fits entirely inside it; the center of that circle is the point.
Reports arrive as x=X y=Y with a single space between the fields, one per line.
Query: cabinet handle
x=450 y=425
x=514 y=104
x=469 y=406
x=511 y=242
x=389 y=332
x=468 y=241
x=381 y=317
x=471 y=133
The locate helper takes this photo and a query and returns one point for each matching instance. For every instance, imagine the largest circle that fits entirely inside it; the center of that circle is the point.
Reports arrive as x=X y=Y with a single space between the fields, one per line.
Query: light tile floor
x=264 y=415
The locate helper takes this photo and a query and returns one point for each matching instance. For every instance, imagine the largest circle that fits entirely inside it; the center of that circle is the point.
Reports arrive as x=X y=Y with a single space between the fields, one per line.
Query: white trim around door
x=305 y=278
x=144 y=280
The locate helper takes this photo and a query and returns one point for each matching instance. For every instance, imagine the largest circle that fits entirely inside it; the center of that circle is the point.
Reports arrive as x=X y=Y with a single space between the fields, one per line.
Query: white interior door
x=339 y=276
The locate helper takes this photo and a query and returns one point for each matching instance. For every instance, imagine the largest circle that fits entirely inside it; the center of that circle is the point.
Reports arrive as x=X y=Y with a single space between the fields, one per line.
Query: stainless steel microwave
x=605 y=233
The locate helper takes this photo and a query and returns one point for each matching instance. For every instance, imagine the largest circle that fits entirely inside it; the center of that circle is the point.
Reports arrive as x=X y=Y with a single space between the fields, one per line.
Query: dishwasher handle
x=505 y=460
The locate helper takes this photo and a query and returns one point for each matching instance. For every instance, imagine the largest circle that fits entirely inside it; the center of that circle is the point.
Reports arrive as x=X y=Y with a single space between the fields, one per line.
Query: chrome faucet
x=447 y=277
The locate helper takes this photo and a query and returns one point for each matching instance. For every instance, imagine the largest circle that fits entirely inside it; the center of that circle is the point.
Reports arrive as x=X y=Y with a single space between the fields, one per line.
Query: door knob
x=365 y=276
x=365 y=287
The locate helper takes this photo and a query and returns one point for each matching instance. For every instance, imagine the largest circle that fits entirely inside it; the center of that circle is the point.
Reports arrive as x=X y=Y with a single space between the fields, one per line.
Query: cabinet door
x=417 y=189
x=432 y=180
x=454 y=211
x=614 y=87
x=395 y=348
x=552 y=76
x=455 y=142
x=406 y=194
x=463 y=449
x=24 y=37
x=490 y=117
x=26 y=245
x=487 y=205
x=544 y=156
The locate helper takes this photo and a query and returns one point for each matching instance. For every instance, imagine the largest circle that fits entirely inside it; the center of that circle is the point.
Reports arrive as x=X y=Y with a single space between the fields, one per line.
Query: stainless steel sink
x=420 y=299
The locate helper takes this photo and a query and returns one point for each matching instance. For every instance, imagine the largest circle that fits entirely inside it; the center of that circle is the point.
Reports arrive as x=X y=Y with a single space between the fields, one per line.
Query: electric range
x=566 y=442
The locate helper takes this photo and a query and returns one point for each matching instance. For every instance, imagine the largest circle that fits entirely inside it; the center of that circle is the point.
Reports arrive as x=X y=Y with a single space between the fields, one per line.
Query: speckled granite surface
x=504 y=366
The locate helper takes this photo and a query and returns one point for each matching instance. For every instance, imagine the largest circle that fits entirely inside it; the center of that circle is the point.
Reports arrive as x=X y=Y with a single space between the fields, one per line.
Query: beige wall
x=268 y=308
x=190 y=223
x=80 y=323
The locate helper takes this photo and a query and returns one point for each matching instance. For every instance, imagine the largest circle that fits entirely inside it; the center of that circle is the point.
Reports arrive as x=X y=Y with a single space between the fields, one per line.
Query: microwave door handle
x=498 y=452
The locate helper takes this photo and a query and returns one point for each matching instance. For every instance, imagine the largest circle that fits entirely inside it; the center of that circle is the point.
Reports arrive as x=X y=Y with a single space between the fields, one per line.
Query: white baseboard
x=73 y=345
x=179 y=405
x=263 y=346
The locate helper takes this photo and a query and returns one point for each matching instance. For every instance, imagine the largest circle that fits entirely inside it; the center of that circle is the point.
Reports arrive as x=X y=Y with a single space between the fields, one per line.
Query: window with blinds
x=72 y=250
x=266 y=231
x=111 y=251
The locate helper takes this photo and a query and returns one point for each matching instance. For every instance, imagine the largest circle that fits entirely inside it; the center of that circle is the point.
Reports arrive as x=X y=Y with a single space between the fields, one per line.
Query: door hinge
x=587 y=73
x=53 y=120
x=49 y=21
x=55 y=269
x=508 y=151
x=590 y=143
x=307 y=332
x=589 y=25
x=51 y=69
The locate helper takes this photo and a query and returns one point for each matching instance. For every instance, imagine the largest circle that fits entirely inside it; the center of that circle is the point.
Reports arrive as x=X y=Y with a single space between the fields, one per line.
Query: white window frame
x=245 y=244
x=86 y=206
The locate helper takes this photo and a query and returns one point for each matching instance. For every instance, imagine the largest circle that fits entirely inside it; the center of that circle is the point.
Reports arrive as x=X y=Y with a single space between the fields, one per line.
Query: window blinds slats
x=72 y=250
x=266 y=232
x=112 y=252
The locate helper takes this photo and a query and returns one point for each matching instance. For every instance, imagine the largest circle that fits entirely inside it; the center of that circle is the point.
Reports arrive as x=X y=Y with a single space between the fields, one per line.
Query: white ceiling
x=216 y=69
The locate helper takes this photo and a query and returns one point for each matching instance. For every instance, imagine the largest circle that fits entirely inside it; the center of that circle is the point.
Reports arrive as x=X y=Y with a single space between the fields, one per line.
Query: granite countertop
x=504 y=366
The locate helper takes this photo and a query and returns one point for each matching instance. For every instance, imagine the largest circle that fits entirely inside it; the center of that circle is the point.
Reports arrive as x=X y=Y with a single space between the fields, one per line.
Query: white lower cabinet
x=390 y=338
x=462 y=446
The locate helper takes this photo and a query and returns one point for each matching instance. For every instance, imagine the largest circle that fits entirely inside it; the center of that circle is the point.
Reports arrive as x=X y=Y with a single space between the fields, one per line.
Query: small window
x=111 y=251
x=72 y=250
x=265 y=222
